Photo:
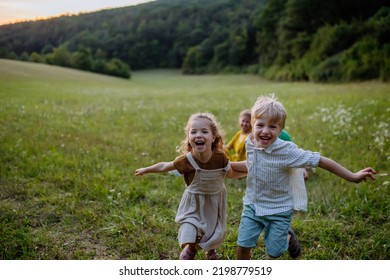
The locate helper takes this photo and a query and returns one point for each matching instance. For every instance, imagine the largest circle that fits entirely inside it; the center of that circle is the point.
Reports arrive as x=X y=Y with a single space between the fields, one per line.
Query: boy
x=268 y=203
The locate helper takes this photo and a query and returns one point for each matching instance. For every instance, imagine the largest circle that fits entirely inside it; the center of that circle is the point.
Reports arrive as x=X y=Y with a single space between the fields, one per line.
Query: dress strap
x=192 y=161
x=227 y=167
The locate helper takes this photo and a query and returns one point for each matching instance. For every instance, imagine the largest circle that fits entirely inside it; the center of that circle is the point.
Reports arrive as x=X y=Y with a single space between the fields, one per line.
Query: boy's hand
x=362 y=175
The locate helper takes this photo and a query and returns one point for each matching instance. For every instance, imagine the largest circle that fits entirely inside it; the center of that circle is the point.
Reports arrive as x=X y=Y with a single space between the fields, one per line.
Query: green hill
x=12 y=69
x=314 y=40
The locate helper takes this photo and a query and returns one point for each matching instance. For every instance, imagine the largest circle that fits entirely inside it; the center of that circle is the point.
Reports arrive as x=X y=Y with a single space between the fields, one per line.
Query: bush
x=379 y=25
x=37 y=58
x=60 y=56
x=116 y=67
x=330 y=40
x=385 y=69
x=327 y=71
x=82 y=59
x=363 y=61
x=4 y=53
x=24 y=57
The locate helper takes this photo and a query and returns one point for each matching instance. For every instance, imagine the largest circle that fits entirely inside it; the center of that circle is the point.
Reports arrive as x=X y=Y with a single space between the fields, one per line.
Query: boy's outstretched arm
x=156 y=168
x=341 y=171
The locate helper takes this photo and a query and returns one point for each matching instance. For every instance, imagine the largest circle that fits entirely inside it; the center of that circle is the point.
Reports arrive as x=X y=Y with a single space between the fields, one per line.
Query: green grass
x=70 y=142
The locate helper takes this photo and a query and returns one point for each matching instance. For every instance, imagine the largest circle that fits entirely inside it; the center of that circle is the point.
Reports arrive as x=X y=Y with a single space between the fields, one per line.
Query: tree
x=60 y=56
x=116 y=67
x=37 y=58
x=82 y=59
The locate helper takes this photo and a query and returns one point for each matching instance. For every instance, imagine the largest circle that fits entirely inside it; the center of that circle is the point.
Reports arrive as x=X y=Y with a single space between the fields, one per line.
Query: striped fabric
x=268 y=182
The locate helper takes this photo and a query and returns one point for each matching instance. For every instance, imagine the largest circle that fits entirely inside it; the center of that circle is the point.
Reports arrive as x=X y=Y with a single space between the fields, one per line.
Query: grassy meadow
x=70 y=142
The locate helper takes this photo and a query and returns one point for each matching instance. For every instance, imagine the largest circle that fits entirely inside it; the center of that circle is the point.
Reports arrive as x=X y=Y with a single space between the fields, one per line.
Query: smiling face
x=200 y=136
x=245 y=124
x=268 y=120
x=265 y=132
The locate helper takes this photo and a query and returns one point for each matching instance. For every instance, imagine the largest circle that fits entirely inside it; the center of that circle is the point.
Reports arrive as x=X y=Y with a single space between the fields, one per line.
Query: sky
x=18 y=10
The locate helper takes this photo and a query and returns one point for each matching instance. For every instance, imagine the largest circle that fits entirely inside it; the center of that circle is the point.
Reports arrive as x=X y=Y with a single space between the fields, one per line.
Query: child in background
x=204 y=165
x=284 y=135
x=296 y=182
x=268 y=203
x=237 y=143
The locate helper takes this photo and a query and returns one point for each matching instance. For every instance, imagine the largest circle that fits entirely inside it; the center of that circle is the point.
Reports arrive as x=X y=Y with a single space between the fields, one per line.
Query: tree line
x=316 y=40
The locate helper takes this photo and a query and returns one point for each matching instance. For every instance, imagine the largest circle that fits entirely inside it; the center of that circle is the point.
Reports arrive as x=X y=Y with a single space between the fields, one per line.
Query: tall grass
x=70 y=142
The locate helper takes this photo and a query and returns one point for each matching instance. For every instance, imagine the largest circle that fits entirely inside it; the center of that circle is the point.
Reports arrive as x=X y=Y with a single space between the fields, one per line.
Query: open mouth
x=264 y=141
x=199 y=143
x=265 y=138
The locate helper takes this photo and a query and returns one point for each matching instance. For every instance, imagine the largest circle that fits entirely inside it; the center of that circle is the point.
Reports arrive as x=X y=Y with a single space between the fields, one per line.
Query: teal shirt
x=285 y=136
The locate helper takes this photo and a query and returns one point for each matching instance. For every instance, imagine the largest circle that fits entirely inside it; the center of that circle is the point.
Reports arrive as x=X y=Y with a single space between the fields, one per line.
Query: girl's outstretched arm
x=341 y=171
x=238 y=170
x=232 y=174
x=156 y=168
x=239 y=166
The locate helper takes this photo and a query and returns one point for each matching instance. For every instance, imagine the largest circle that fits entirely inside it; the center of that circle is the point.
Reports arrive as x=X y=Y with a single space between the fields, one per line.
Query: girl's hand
x=239 y=166
x=140 y=172
x=232 y=174
x=362 y=175
x=305 y=174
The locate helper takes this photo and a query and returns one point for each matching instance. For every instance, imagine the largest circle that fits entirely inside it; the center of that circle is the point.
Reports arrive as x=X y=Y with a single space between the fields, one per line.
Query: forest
x=286 y=40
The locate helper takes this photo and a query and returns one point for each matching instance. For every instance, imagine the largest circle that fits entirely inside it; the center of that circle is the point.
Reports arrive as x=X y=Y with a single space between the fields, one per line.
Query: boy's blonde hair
x=216 y=130
x=269 y=106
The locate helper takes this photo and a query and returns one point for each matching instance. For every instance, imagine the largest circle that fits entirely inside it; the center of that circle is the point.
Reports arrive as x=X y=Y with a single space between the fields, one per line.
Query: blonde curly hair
x=216 y=130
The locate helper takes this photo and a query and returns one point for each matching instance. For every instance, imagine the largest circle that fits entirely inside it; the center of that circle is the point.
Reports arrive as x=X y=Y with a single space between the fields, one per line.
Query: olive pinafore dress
x=202 y=210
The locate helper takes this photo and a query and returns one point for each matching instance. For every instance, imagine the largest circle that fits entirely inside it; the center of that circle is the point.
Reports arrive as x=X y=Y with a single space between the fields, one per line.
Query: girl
x=237 y=143
x=204 y=165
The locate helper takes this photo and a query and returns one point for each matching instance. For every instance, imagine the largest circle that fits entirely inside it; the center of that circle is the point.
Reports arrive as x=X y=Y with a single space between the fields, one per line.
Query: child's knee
x=275 y=252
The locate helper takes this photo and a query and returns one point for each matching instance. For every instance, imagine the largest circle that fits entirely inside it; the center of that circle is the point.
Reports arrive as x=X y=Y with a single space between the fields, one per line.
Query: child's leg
x=294 y=247
x=276 y=233
x=187 y=238
x=189 y=252
x=248 y=233
x=188 y=234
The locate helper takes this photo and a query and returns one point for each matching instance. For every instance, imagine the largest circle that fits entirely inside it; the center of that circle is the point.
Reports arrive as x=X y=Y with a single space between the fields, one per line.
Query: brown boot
x=188 y=253
x=212 y=255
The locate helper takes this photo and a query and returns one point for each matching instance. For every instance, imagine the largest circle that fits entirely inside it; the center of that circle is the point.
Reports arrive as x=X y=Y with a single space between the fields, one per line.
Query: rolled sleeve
x=302 y=158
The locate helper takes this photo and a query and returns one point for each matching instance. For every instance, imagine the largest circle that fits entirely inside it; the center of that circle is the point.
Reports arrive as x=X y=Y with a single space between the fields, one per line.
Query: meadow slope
x=70 y=142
